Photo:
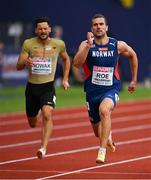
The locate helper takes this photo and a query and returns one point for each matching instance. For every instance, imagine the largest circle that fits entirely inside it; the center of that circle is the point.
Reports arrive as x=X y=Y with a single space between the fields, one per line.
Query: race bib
x=42 y=65
x=102 y=76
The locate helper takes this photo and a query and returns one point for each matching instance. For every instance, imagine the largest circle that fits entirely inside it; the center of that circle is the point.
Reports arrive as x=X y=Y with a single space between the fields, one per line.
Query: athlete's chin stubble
x=45 y=38
x=99 y=36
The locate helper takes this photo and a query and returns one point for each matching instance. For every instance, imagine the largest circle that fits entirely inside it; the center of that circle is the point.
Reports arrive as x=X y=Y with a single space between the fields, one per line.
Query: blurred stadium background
x=129 y=20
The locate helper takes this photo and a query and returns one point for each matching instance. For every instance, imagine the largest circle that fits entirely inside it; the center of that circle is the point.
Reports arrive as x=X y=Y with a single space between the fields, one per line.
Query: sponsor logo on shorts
x=49 y=102
x=116 y=97
x=88 y=107
x=54 y=99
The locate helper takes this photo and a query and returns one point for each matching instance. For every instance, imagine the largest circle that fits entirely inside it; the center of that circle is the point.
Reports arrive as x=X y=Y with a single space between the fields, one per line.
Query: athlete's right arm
x=81 y=55
x=83 y=50
x=21 y=63
x=24 y=57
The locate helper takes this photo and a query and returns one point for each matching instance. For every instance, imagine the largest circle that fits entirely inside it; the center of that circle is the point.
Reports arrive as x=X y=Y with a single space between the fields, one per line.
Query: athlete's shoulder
x=119 y=42
x=113 y=42
x=122 y=44
x=111 y=39
x=30 y=40
x=57 y=41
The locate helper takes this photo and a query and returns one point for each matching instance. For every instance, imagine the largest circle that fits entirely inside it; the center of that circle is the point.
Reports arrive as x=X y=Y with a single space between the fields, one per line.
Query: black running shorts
x=38 y=95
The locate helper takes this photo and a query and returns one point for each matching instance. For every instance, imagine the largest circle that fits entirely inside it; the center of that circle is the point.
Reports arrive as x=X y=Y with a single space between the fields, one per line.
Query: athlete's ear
x=49 y=29
x=107 y=28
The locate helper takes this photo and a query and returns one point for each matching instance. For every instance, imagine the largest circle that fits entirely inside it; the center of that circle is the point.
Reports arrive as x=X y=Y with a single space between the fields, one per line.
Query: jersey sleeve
x=25 y=49
x=62 y=47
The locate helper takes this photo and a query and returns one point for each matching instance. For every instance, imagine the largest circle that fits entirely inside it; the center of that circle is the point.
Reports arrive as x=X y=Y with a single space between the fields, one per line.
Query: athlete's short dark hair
x=99 y=16
x=42 y=19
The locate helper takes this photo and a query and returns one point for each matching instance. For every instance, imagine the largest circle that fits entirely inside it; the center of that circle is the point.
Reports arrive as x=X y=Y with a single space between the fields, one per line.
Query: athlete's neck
x=44 y=41
x=101 y=41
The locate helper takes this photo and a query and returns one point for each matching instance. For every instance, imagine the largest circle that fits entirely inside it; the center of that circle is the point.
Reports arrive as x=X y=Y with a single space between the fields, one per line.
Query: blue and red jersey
x=101 y=68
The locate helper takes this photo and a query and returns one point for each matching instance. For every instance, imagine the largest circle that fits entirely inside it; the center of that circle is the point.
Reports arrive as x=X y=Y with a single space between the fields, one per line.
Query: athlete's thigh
x=106 y=105
x=47 y=103
x=47 y=111
x=109 y=100
x=48 y=98
x=32 y=103
x=93 y=109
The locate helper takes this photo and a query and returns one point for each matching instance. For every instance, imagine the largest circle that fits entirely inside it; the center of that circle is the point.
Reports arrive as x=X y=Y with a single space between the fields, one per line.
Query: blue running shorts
x=93 y=102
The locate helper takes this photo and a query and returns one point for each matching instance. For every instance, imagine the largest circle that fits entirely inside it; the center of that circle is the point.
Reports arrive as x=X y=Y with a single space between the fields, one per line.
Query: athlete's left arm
x=66 y=69
x=125 y=50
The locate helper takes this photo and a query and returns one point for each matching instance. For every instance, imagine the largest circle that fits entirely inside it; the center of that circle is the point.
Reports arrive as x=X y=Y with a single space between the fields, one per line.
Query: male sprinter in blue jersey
x=99 y=56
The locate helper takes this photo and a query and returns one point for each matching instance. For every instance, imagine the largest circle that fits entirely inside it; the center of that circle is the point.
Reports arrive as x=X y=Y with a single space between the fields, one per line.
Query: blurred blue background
x=129 y=23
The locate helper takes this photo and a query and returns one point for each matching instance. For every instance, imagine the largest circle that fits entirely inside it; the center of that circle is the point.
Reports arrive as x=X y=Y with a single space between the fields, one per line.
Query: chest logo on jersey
x=48 y=48
x=102 y=53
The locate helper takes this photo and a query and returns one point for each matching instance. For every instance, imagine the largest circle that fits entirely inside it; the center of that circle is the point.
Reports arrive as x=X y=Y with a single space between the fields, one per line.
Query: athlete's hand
x=90 y=38
x=132 y=87
x=65 y=84
x=29 y=62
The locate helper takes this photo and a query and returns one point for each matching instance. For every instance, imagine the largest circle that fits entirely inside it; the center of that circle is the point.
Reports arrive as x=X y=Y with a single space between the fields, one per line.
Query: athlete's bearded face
x=42 y=30
x=99 y=27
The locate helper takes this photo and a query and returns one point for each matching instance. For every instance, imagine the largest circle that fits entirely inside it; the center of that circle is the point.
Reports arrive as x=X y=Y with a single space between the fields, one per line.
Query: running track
x=73 y=148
